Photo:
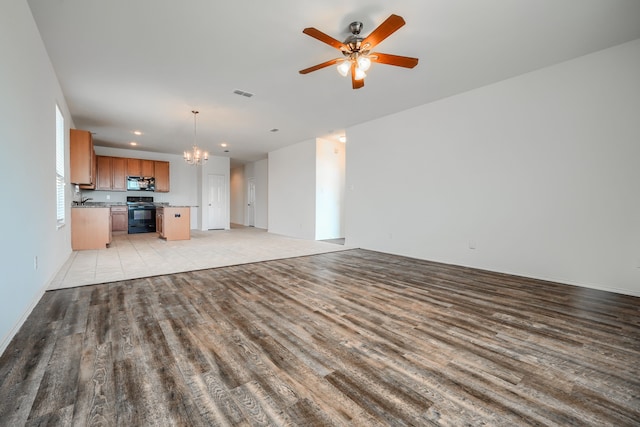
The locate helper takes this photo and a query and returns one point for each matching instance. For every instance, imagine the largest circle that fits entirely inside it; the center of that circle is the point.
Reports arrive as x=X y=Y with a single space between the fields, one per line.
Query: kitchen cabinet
x=103 y=165
x=82 y=159
x=133 y=167
x=147 y=167
x=111 y=173
x=140 y=167
x=119 y=218
x=90 y=228
x=118 y=174
x=94 y=171
x=161 y=171
x=173 y=223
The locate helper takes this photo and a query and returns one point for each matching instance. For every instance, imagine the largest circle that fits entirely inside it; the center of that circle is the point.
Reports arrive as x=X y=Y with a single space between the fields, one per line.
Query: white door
x=251 y=203
x=217 y=209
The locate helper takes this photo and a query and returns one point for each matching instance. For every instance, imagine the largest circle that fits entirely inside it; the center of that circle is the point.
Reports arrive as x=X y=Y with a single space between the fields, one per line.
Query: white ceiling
x=128 y=65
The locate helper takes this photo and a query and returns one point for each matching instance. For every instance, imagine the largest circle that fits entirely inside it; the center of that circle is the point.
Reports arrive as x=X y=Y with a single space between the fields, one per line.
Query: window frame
x=60 y=168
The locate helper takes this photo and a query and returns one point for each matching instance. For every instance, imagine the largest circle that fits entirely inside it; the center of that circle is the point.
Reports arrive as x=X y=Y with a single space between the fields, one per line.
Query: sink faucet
x=83 y=201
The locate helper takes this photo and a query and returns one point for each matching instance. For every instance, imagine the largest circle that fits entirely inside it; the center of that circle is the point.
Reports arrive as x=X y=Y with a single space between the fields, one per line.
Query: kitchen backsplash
x=120 y=196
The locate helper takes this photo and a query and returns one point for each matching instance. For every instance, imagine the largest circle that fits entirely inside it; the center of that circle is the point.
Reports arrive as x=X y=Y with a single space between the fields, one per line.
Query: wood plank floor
x=344 y=338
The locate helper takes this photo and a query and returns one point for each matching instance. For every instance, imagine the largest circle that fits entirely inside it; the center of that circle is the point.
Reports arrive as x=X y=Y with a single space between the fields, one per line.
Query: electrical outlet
x=108 y=196
x=472 y=244
x=35 y=262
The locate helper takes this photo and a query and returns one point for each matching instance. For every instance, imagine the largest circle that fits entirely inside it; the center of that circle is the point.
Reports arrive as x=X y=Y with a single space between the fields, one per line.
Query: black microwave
x=141 y=183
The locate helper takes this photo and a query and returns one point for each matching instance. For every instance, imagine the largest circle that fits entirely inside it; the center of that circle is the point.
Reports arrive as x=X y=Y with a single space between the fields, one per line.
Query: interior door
x=217 y=209
x=251 y=203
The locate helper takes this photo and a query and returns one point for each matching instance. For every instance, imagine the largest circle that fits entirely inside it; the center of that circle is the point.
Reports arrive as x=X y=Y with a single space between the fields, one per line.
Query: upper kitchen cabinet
x=148 y=167
x=82 y=159
x=140 y=167
x=103 y=164
x=111 y=173
x=133 y=167
x=118 y=174
x=161 y=171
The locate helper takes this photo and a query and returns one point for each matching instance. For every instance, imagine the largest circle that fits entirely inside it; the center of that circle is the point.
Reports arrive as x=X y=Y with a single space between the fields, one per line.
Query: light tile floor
x=141 y=255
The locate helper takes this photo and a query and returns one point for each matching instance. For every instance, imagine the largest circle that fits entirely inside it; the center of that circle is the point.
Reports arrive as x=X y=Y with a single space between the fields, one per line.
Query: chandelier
x=195 y=156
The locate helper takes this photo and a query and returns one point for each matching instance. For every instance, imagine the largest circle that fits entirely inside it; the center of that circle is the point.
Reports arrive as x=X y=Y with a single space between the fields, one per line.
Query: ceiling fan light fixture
x=344 y=67
x=357 y=50
x=364 y=62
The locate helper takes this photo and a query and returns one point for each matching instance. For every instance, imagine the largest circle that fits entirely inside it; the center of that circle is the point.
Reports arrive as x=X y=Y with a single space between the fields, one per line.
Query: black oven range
x=142 y=214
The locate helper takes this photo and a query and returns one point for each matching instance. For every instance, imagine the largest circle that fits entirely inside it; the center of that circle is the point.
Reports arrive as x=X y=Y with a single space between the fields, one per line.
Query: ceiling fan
x=357 y=50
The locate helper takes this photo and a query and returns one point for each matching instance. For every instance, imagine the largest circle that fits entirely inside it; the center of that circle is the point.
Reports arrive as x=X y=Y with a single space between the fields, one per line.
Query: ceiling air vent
x=243 y=93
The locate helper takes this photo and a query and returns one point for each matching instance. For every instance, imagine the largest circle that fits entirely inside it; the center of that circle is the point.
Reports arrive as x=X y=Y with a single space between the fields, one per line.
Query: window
x=60 y=205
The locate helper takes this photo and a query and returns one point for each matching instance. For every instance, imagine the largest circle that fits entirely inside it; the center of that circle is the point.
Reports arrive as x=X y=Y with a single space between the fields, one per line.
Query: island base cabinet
x=90 y=228
x=174 y=223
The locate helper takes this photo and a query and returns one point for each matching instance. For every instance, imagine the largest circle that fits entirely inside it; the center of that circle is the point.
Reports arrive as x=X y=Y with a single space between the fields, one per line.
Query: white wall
x=261 y=179
x=30 y=91
x=292 y=196
x=539 y=173
x=238 y=198
x=330 y=170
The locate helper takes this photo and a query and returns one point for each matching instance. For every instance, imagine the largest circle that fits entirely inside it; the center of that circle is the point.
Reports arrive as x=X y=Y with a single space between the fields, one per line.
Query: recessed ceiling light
x=274 y=130
x=137 y=132
x=133 y=143
x=224 y=144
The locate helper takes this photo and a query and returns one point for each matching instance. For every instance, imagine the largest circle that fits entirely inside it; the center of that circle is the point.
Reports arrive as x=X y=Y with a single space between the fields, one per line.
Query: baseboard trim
x=16 y=327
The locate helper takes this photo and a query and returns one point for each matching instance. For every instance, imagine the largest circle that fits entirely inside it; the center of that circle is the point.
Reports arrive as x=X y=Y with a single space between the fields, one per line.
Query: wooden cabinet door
x=103 y=181
x=81 y=157
x=118 y=174
x=119 y=221
x=134 y=167
x=162 y=176
x=119 y=218
x=147 y=168
x=94 y=173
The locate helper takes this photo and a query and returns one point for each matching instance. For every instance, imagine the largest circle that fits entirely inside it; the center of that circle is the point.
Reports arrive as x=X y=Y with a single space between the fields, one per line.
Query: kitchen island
x=93 y=224
x=173 y=222
x=90 y=227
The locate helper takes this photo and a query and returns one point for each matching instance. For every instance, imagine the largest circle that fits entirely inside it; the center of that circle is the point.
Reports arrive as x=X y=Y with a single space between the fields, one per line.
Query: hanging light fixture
x=195 y=156
x=359 y=61
x=344 y=67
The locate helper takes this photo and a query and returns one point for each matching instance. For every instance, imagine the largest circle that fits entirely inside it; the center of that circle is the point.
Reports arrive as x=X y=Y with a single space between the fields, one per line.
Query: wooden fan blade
x=400 y=61
x=319 y=66
x=384 y=30
x=356 y=84
x=319 y=35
